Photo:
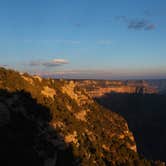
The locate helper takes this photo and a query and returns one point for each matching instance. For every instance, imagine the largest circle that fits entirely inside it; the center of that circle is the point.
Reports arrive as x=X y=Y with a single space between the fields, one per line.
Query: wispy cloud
x=147 y=13
x=52 y=63
x=78 y=25
x=68 y=41
x=55 y=62
x=104 y=42
x=150 y=27
x=137 y=24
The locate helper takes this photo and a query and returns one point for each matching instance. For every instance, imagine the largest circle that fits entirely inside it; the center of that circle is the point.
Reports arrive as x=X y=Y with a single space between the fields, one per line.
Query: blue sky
x=84 y=38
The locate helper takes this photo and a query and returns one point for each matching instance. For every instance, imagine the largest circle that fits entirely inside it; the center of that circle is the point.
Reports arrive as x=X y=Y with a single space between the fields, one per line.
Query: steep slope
x=97 y=136
x=146 y=116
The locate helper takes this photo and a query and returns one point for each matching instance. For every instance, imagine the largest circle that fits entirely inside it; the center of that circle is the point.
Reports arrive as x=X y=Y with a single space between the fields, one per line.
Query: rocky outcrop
x=48 y=92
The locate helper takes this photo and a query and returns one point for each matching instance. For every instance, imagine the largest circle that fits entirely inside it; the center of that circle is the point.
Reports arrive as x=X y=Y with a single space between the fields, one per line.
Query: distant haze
x=101 y=76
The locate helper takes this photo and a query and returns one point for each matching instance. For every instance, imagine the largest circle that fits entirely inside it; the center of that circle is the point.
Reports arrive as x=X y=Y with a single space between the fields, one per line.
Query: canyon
x=61 y=124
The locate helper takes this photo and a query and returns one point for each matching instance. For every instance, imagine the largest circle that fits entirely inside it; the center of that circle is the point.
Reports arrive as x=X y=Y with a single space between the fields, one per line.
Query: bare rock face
x=80 y=132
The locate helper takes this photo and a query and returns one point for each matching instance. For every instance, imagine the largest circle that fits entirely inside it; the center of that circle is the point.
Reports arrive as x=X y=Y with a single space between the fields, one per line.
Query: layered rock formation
x=97 y=88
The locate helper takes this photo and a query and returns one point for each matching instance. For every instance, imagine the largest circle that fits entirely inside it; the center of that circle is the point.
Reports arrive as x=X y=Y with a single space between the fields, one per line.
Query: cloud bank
x=52 y=63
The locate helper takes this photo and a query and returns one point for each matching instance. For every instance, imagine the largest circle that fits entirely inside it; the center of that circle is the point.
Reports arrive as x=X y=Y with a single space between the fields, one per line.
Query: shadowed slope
x=146 y=116
x=26 y=137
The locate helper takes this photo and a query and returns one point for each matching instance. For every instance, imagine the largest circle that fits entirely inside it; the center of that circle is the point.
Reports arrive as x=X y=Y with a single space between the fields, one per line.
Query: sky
x=97 y=39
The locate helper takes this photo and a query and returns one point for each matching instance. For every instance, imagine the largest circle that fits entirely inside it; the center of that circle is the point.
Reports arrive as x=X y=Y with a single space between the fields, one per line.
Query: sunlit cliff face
x=99 y=88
